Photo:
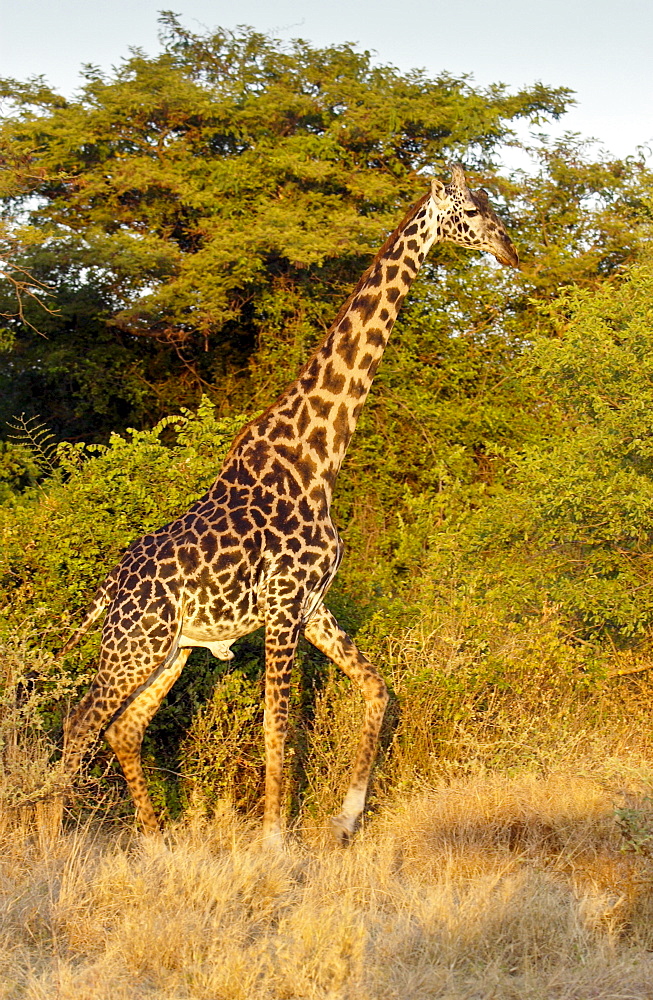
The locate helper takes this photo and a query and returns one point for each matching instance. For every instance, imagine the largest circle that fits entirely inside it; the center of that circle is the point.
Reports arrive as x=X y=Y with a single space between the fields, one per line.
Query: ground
x=490 y=885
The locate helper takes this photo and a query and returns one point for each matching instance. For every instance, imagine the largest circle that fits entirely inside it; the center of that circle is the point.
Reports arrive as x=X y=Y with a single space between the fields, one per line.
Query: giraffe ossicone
x=260 y=547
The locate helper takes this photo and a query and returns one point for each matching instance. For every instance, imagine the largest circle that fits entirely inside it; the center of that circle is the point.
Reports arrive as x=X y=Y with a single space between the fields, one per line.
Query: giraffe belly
x=216 y=637
x=221 y=648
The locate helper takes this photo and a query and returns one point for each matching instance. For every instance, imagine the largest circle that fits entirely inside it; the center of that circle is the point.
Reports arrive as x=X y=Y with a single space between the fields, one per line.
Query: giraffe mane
x=391 y=240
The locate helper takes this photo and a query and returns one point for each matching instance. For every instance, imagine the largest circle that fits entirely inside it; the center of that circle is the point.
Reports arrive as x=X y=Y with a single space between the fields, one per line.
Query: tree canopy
x=204 y=211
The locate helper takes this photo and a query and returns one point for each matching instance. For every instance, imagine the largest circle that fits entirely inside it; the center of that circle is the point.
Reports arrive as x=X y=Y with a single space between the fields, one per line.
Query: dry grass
x=521 y=867
x=490 y=886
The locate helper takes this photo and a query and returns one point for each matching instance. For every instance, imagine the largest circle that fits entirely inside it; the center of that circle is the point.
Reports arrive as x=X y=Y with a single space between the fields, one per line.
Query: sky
x=602 y=49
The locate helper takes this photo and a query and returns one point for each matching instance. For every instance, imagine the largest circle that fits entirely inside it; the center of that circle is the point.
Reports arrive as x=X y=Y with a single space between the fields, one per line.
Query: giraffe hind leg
x=323 y=631
x=84 y=723
x=106 y=703
x=125 y=734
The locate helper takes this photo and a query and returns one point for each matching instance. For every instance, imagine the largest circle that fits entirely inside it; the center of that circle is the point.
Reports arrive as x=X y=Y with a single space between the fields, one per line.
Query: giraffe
x=260 y=547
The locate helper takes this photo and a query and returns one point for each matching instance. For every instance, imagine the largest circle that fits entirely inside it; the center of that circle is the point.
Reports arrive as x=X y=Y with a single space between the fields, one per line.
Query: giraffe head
x=468 y=220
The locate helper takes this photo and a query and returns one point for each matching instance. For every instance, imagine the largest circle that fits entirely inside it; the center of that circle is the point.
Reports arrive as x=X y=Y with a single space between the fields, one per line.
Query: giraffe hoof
x=273 y=840
x=342 y=828
x=149 y=824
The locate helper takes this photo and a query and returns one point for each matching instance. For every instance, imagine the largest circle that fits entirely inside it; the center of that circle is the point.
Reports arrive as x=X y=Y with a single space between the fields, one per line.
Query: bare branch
x=25 y=285
x=630 y=670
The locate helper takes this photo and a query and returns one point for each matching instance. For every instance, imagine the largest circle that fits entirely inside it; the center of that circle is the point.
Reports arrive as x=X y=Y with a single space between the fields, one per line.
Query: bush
x=59 y=540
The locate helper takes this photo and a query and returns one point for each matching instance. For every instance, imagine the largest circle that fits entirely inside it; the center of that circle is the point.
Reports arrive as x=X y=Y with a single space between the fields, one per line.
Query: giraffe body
x=260 y=547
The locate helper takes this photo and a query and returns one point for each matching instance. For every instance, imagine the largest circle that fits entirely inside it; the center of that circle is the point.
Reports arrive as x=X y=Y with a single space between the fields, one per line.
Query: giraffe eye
x=471 y=211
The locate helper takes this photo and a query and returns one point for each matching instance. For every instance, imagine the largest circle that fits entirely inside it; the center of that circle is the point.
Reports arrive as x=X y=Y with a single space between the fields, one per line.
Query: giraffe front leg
x=281 y=635
x=323 y=631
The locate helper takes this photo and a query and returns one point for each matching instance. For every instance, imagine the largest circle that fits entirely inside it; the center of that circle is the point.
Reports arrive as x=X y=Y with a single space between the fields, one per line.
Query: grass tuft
x=487 y=886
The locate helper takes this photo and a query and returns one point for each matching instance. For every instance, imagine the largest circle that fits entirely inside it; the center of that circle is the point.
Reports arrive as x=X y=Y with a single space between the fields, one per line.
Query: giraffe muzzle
x=507 y=255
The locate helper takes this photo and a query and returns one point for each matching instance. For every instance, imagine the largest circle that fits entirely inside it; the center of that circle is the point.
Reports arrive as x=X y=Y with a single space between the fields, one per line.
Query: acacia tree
x=209 y=207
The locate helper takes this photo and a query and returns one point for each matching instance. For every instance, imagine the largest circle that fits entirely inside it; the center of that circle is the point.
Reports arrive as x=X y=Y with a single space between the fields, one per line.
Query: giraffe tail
x=103 y=597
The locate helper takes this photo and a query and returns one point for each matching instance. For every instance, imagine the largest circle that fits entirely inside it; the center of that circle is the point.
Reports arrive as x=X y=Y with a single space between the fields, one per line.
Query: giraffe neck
x=312 y=422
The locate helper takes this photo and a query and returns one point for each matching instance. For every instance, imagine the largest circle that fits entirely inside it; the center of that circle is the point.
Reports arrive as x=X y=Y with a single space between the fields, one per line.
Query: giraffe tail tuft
x=103 y=597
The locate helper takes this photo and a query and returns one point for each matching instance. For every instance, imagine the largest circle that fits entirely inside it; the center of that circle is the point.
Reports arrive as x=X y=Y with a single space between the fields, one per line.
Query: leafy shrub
x=59 y=540
x=18 y=469
x=569 y=523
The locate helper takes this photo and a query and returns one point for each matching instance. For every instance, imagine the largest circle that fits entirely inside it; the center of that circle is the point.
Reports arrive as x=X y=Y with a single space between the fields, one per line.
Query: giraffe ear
x=437 y=189
x=458 y=177
x=482 y=196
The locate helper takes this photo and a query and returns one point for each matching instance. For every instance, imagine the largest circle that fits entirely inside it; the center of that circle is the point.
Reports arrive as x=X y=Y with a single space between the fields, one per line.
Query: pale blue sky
x=601 y=48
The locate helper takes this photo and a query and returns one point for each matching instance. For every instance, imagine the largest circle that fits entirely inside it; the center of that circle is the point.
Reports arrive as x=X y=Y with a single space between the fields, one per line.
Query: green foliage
x=18 y=469
x=203 y=213
x=99 y=500
x=570 y=523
